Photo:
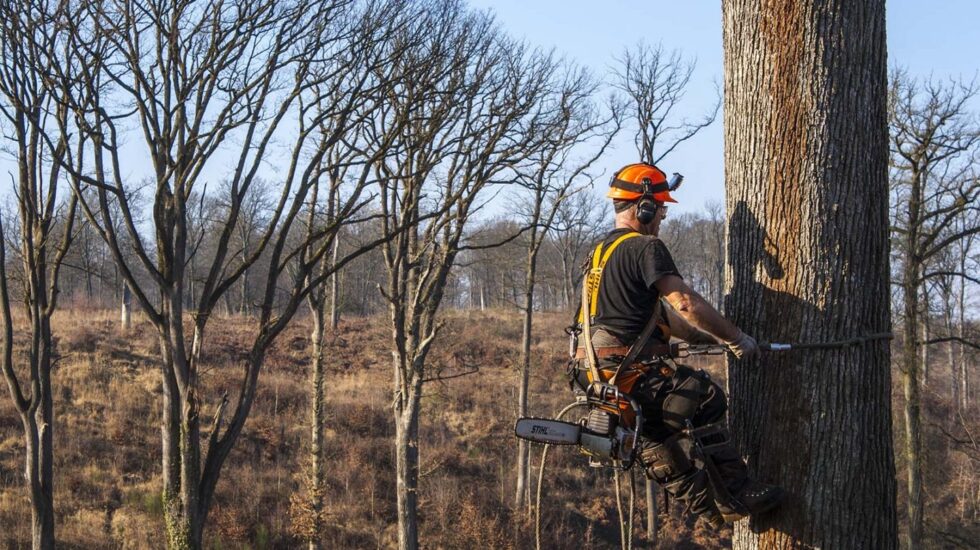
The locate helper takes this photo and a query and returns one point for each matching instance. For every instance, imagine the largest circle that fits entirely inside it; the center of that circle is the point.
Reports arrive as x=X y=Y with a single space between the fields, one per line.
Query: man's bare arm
x=696 y=310
x=683 y=330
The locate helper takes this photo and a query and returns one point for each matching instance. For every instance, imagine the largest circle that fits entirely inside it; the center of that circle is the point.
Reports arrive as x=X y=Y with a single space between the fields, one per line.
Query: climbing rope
x=544 y=458
x=685 y=350
x=625 y=523
x=770 y=346
x=619 y=510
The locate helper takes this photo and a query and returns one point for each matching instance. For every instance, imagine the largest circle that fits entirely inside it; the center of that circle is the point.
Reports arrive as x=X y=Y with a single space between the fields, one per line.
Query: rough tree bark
x=806 y=168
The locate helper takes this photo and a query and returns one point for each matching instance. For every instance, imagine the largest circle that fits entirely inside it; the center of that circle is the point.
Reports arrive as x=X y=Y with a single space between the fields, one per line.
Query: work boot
x=694 y=490
x=759 y=498
x=750 y=497
x=754 y=499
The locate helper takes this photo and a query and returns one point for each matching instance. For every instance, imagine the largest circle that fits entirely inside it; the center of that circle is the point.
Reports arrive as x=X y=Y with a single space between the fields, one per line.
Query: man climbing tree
x=807 y=202
x=685 y=444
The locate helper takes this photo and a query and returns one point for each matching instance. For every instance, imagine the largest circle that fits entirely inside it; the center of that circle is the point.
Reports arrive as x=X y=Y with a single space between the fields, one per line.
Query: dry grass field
x=108 y=443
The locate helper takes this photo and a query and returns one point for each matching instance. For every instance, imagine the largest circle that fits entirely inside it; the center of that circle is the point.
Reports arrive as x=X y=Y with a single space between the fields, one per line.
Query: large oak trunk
x=806 y=169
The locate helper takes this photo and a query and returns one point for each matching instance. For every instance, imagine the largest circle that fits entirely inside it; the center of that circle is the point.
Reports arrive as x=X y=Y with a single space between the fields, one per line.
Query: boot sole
x=732 y=518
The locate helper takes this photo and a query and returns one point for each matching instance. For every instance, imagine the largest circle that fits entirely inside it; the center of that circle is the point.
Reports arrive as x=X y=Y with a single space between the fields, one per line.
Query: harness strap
x=639 y=343
x=639 y=187
x=650 y=351
x=590 y=357
x=590 y=295
x=594 y=276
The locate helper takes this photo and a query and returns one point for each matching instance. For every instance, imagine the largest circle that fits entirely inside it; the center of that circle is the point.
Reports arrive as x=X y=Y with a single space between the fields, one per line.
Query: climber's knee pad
x=685 y=398
x=714 y=438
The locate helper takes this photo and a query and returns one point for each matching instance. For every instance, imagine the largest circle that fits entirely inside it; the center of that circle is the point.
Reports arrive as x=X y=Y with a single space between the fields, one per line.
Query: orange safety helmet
x=633 y=181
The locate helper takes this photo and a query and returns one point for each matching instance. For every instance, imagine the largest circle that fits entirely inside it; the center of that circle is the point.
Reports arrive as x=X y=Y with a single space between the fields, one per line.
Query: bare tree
x=472 y=106
x=964 y=264
x=35 y=121
x=252 y=219
x=935 y=142
x=345 y=161
x=209 y=78
x=805 y=98
x=546 y=179
x=579 y=221
x=654 y=82
x=702 y=238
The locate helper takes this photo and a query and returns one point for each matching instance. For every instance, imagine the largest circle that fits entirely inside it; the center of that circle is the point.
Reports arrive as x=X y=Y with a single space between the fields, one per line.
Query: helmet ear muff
x=646 y=208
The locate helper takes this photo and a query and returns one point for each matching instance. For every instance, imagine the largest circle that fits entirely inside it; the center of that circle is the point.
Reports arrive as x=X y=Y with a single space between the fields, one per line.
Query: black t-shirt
x=626 y=291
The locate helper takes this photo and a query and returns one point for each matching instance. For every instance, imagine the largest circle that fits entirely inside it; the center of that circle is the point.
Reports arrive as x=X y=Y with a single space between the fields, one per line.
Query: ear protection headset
x=646 y=208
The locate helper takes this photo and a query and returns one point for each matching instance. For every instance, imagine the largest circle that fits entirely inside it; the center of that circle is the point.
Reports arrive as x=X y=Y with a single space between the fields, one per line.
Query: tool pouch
x=667 y=460
x=683 y=400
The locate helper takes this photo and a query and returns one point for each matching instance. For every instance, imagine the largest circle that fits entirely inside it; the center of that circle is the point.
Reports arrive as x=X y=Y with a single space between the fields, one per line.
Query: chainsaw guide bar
x=551 y=432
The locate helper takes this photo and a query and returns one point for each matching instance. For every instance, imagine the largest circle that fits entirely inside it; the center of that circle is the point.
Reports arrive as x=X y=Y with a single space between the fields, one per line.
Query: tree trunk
x=43 y=504
x=126 y=316
x=184 y=517
x=964 y=377
x=523 y=493
x=806 y=167
x=407 y=465
x=566 y=283
x=316 y=431
x=243 y=306
x=40 y=474
x=924 y=336
x=911 y=386
x=335 y=288
x=183 y=513
x=948 y=311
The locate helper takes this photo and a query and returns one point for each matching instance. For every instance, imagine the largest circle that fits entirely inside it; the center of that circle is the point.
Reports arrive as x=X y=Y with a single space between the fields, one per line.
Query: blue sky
x=940 y=38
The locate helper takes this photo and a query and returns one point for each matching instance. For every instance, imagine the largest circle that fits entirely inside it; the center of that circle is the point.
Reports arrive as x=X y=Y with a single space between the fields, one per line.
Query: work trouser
x=671 y=404
x=672 y=399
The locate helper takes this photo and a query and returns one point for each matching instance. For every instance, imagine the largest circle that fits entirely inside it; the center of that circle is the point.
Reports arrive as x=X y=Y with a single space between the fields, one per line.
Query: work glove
x=743 y=347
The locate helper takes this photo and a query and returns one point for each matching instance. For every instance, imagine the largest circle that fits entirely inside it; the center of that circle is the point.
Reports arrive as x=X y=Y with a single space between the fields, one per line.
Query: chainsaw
x=608 y=433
